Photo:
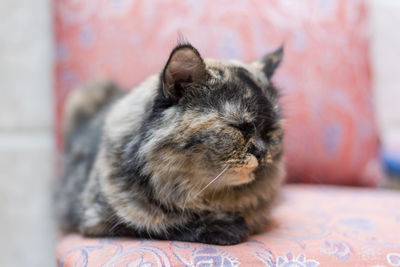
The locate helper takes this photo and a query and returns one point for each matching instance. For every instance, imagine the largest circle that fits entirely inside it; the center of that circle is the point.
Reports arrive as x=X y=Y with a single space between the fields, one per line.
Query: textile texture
x=312 y=226
x=331 y=136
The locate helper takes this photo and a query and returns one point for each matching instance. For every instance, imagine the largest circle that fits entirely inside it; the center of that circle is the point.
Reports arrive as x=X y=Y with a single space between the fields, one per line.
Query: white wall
x=385 y=53
x=26 y=144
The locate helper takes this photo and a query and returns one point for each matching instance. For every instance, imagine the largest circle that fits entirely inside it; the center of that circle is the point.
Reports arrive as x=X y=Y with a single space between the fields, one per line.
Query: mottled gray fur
x=193 y=153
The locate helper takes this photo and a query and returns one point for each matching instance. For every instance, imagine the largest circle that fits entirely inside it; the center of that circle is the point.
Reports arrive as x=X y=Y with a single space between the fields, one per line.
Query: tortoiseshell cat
x=193 y=153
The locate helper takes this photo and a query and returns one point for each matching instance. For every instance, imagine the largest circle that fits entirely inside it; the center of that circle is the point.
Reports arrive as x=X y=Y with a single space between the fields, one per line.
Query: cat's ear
x=184 y=67
x=270 y=62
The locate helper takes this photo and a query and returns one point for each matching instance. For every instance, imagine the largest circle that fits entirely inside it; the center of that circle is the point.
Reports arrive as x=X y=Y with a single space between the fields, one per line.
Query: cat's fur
x=143 y=164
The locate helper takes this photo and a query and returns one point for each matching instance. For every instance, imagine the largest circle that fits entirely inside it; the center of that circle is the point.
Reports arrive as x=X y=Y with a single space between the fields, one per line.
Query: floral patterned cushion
x=312 y=225
x=325 y=76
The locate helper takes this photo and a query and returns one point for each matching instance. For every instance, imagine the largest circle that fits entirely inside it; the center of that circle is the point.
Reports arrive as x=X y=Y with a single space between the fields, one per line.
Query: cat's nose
x=258 y=148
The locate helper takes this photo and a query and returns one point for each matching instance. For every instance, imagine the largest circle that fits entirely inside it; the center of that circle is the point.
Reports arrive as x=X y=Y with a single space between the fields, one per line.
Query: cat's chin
x=240 y=178
x=244 y=174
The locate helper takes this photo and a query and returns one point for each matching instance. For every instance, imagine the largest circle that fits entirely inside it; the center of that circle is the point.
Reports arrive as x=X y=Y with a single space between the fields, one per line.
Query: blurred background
x=49 y=47
x=26 y=127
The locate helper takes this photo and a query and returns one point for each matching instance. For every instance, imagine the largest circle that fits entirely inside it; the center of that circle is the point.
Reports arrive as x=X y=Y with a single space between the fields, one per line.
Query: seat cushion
x=311 y=226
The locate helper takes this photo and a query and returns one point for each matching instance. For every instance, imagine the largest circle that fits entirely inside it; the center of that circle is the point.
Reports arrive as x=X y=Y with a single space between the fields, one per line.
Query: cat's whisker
x=215 y=189
x=187 y=198
x=212 y=181
x=204 y=188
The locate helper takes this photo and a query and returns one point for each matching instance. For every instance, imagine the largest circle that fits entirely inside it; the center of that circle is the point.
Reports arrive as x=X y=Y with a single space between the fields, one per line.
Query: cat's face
x=224 y=117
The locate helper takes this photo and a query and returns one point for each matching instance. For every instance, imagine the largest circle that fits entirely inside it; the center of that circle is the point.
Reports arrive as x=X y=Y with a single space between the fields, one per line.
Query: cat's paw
x=221 y=238
x=224 y=233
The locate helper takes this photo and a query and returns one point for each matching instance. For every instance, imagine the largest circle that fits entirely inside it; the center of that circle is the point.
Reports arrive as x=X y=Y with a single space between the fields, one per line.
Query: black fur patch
x=206 y=229
x=272 y=61
x=245 y=77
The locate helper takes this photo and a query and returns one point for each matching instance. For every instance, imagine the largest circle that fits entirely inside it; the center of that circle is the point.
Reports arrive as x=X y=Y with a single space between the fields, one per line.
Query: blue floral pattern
x=336 y=248
x=312 y=226
x=290 y=261
x=393 y=259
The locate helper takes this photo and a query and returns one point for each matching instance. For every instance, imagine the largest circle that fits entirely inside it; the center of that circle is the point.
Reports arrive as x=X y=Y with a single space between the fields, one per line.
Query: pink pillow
x=331 y=136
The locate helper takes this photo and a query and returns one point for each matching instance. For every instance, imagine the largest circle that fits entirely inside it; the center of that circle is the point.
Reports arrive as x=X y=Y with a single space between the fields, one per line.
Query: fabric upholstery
x=312 y=225
x=331 y=136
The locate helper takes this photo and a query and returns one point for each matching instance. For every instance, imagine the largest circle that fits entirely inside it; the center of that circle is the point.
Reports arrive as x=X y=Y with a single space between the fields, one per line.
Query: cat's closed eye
x=247 y=129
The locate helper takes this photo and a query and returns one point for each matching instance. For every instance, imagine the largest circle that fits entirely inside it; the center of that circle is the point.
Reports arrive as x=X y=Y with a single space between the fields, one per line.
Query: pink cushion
x=326 y=225
x=325 y=77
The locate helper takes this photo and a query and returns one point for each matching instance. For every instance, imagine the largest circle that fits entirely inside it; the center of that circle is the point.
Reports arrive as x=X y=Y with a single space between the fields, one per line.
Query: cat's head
x=218 y=116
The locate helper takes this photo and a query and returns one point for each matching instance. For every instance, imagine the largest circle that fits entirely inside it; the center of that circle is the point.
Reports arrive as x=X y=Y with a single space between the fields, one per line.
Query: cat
x=194 y=153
